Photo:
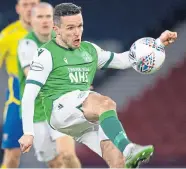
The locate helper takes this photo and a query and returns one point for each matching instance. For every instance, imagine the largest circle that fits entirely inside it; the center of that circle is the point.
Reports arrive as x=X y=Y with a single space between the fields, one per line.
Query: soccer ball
x=146 y=55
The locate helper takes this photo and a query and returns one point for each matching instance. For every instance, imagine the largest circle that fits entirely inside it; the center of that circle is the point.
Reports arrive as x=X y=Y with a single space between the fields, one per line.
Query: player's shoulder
x=89 y=44
x=50 y=46
x=86 y=43
x=42 y=56
x=29 y=35
x=11 y=28
x=43 y=52
x=26 y=44
x=12 y=31
x=28 y=40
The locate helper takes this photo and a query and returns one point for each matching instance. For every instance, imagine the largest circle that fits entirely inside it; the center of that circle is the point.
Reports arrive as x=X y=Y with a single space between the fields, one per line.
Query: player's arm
x=4 y=46
x=37 y=76
x=26 y=51
x=107 y=59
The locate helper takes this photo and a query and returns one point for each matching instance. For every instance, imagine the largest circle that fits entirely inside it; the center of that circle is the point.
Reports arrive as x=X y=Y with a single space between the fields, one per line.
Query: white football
x=147 y=55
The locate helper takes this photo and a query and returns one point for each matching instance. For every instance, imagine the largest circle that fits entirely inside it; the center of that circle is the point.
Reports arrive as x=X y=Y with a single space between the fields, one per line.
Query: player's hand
x=91 y=87
x=26 y=142
x=168 y=37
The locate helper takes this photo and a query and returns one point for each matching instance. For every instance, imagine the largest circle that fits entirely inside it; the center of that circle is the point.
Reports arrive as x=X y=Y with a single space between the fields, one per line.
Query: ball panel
x=146 y=56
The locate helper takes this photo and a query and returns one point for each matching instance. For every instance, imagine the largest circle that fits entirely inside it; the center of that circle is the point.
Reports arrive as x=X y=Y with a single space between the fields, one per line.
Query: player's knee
x=70 y=160
x=67 y=156
x=13 y=154
x=108 y=104
x=55 y=163
x=64 y=160
x=11 y=158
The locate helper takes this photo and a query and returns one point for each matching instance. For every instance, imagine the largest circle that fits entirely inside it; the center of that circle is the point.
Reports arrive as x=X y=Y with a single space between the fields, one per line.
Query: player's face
x=24 y=7
x=71 y=30
x=42 y=20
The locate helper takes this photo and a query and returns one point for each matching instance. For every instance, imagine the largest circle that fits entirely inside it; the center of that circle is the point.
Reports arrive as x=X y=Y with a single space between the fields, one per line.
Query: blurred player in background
x=51 y=146
x=12 y=127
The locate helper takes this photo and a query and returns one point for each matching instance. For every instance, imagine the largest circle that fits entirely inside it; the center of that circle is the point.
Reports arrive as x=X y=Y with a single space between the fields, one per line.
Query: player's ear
x=17 y=9
x=55 y=28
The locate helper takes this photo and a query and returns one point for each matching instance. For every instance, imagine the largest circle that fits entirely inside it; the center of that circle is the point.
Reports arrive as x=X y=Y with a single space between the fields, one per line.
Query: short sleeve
x=26 y=50
x=40 y=67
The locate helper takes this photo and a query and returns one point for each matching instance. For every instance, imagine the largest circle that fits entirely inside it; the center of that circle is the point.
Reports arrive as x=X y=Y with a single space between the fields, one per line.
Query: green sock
x=113 y=129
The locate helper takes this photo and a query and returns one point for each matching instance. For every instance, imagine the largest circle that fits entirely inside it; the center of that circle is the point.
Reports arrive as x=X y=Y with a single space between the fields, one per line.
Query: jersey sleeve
x=4 y=46
x=27 y=107
x=108 y=59
x=26 y=50
x=40 y=67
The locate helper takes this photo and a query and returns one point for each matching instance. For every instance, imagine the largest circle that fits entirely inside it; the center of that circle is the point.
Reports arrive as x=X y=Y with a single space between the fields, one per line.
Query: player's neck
x=43 y=38
x=26 y=25
x=61 y=43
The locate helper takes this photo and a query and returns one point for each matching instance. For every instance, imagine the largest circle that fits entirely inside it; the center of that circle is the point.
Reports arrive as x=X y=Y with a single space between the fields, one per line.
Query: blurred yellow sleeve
x=4 y=46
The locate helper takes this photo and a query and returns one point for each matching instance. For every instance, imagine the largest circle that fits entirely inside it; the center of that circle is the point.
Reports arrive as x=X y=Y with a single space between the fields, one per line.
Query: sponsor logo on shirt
x=36 y=66
x=65 y=60
x=60 y=106
x=40 y=51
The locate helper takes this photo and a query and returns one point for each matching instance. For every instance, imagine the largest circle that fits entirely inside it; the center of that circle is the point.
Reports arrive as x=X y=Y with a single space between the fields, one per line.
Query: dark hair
x=65 y=9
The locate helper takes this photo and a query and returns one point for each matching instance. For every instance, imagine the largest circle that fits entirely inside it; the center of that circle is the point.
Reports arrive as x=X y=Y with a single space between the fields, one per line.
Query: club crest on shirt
x=87 y=57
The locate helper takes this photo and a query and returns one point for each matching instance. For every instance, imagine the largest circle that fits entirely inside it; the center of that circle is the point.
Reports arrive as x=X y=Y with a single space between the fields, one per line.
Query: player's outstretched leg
x=97 y=107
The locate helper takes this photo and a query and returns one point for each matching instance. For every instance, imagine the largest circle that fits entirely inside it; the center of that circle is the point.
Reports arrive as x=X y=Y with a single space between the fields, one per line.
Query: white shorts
x=44 y=141
x=68 y=118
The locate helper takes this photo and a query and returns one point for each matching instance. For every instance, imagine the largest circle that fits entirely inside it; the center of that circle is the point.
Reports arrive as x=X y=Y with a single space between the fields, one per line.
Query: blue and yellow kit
x=12 y=127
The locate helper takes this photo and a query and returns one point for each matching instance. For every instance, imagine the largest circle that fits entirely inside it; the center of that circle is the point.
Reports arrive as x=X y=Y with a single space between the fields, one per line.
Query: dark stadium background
x=153 y=107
